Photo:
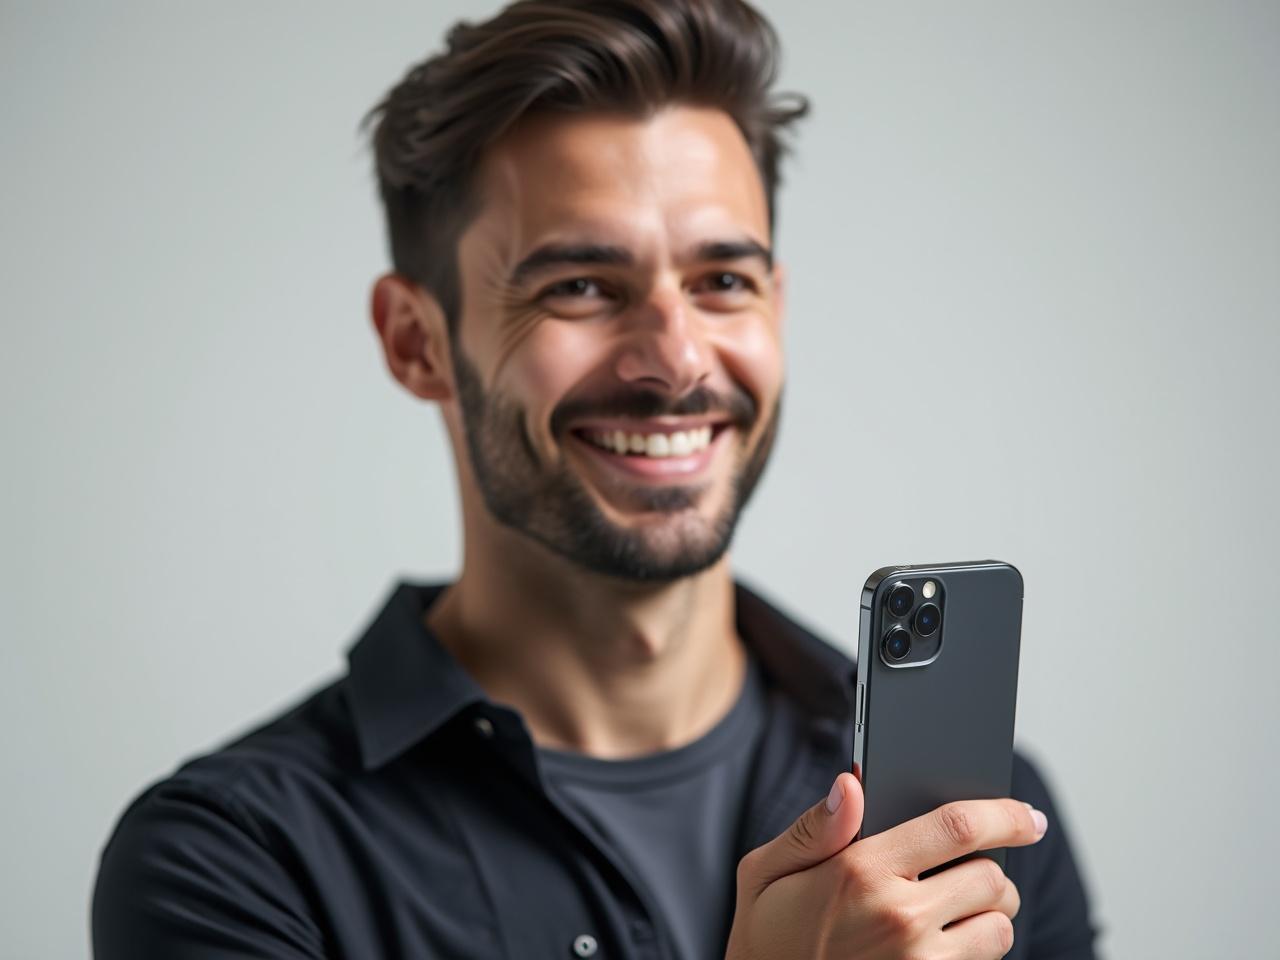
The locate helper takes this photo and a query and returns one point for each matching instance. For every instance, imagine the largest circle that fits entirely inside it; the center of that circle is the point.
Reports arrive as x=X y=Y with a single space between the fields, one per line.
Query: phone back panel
x=942 y=731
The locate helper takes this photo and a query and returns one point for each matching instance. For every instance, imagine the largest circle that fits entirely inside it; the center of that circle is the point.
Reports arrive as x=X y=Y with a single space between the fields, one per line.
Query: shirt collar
x=403 y=684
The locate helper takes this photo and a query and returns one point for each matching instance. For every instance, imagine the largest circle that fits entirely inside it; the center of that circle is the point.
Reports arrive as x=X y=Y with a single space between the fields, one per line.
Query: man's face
x=619 y=361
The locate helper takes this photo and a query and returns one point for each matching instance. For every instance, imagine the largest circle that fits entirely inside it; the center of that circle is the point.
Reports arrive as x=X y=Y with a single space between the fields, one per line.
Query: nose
x=664 y=346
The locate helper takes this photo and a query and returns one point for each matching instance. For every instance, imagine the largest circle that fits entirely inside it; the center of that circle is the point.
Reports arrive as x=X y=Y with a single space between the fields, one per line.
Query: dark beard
x=549 y=504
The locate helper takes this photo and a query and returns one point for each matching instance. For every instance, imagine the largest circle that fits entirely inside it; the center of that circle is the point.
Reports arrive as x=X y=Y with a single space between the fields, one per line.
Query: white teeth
x=659 y=445
x=682 y=443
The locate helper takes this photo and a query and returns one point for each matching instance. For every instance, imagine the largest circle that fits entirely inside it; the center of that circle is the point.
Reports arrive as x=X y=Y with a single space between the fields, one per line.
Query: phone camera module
x=927 y=619
x=901 y=599
x=897 y=644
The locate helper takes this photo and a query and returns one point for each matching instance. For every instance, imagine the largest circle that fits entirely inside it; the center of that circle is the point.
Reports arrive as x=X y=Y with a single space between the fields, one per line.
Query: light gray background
x=1045 y=235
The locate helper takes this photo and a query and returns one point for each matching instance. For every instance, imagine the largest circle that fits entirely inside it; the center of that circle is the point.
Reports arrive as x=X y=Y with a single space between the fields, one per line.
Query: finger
x=988 y=936
x=969 y=888
x=819 y=833
x=953 y=830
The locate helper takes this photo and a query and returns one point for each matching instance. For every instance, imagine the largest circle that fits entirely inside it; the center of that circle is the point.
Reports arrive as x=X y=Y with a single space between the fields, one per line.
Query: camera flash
x=929 y=589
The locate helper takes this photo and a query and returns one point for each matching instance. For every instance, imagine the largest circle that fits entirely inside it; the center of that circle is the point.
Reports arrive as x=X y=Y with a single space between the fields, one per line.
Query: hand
x=811 y=893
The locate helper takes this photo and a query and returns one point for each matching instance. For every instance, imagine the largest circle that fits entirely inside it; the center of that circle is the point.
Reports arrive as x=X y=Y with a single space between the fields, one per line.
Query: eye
x=729 y=281
x=577 y=298
x=726 y=283
x=574 y=287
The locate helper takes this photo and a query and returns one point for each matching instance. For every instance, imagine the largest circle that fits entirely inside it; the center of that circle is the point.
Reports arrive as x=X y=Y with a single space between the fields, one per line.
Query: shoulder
x=200 y=849
x=1056 y=907
x=1029 y=785
x=307 y=746
x=1028 y=782
x=309 y=742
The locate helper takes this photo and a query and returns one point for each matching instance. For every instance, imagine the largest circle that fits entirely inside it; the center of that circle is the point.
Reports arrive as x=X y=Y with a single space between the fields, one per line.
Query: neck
x=597 y=665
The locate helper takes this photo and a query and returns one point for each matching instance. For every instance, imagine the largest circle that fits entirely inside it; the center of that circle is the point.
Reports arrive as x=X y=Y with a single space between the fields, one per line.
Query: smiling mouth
x=652 y=444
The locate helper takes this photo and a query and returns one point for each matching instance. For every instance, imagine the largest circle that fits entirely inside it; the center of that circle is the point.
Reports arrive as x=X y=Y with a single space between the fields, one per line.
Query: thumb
x=819 y=833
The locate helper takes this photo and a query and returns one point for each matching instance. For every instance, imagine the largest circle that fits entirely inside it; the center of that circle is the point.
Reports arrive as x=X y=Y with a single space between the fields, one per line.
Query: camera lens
x=901 y=598
x=897 y=643
x=927 y=619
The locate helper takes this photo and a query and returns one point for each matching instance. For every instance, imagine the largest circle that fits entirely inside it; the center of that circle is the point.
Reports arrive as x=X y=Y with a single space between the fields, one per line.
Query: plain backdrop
x=1035 y=315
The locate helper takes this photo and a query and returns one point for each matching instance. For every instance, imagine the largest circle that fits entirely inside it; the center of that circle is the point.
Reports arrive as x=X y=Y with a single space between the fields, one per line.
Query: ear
x=415 y=339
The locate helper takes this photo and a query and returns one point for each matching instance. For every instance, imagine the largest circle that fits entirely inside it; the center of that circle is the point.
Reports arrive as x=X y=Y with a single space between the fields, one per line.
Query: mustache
x=739 y=406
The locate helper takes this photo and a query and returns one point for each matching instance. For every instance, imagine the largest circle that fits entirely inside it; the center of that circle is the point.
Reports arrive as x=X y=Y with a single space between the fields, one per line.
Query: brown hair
x=569 y=56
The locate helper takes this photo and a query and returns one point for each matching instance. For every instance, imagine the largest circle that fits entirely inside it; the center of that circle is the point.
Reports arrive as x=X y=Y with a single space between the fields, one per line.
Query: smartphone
x=937 y=688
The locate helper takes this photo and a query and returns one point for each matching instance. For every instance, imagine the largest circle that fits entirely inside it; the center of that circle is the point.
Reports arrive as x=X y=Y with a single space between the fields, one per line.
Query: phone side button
x=862 y=704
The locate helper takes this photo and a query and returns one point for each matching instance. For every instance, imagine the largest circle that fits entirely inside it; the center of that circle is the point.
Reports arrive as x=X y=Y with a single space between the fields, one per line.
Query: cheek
x=550 y=362
x=751 y=351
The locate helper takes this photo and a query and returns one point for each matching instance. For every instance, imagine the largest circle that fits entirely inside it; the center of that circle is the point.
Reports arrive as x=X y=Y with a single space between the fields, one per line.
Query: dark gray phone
x=937 y=688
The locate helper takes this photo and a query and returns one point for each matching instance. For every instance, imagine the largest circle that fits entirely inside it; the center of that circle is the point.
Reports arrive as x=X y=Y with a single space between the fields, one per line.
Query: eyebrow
x=555 y=254
x=734 y=250
x=594 y=254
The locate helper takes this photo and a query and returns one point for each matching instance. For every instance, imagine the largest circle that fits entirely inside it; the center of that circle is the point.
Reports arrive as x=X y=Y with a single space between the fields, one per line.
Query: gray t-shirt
x=673 y=817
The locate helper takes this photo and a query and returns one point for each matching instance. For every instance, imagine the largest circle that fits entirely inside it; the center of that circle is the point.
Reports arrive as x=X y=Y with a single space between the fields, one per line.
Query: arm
x=188 y=875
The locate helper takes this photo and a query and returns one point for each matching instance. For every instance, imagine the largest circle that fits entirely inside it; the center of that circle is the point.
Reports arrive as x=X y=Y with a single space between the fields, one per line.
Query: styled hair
x=569 y=56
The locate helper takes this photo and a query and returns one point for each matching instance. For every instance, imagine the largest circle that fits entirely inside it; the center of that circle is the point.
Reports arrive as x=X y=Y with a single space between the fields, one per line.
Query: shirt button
x=584 y=945
x=484 y=726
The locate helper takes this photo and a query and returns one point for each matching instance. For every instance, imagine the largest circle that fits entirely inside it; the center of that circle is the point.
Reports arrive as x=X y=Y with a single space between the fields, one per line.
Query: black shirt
x=400 y=813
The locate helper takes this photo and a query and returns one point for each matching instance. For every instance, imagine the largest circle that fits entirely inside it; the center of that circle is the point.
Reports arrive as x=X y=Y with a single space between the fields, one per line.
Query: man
x=594 y=742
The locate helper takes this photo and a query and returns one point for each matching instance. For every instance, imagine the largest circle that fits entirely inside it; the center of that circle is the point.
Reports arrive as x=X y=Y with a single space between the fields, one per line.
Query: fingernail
x=1041 y=822
x=835 y=797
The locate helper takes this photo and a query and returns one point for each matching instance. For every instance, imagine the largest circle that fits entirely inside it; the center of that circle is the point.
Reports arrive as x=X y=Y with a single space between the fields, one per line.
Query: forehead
x=670 y=178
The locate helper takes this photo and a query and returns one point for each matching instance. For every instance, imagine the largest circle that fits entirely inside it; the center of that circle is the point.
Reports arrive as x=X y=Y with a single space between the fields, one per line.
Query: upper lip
x=650 y=425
